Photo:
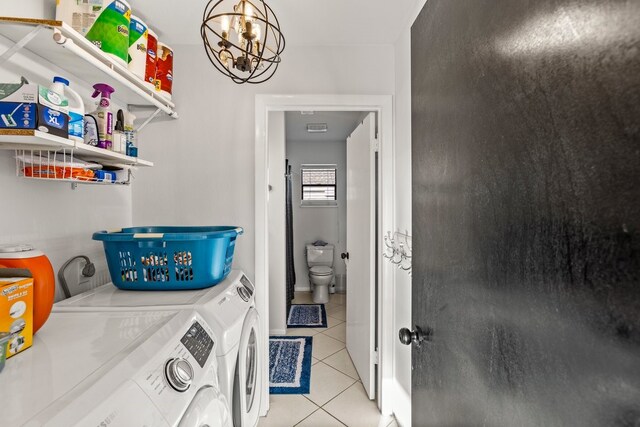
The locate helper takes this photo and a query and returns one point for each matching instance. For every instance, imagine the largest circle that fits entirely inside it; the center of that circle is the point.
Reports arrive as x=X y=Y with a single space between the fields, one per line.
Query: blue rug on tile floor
x=289 y=365
x=307 y=316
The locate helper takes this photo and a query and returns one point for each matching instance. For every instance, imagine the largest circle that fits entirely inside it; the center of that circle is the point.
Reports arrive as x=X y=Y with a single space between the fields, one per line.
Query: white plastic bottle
x=76 y=108
x=103 y=114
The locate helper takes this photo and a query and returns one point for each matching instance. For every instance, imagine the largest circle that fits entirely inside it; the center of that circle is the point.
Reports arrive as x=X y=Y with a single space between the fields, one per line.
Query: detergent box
x=53 y=113
x=18 y=105
x=16 y=308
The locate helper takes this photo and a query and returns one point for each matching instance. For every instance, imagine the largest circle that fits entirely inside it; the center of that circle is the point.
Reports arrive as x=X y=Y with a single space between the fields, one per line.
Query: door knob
x=344 y=255
x=417 y=336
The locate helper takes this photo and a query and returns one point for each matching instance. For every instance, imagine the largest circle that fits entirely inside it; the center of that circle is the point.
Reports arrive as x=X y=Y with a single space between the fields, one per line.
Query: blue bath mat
x=307 y=316
x=289 y=365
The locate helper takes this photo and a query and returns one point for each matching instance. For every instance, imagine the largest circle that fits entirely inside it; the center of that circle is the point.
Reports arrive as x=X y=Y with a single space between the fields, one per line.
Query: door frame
x=383 y=106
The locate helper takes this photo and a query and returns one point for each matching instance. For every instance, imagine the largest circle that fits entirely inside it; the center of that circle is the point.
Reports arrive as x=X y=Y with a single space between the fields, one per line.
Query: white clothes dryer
x=154 y=368
x=229 y=309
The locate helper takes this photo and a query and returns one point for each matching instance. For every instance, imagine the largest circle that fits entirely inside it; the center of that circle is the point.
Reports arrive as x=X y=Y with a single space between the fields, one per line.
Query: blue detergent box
x=18 y=105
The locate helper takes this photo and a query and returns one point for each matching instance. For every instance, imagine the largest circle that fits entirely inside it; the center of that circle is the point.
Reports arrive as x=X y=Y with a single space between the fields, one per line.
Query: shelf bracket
x=149 y=119
x=20 y=44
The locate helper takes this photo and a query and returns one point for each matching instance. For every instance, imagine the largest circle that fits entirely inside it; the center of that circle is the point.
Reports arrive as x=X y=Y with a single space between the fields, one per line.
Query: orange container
x=44 y=282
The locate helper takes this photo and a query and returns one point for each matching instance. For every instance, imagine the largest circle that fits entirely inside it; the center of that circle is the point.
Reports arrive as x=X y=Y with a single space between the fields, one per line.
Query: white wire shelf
x=61 y=45
x=62 y=166
x=77 y=181
x=20 y=139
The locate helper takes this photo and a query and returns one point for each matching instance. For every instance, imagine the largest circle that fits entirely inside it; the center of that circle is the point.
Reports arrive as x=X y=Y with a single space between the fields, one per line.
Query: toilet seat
x=321 y=270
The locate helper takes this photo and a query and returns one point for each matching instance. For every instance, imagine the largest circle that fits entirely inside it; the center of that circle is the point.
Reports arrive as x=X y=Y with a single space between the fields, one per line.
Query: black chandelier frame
x=245 y=60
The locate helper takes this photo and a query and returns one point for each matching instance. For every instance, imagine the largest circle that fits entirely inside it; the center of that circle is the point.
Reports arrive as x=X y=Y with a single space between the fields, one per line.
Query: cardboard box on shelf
x=18 y=105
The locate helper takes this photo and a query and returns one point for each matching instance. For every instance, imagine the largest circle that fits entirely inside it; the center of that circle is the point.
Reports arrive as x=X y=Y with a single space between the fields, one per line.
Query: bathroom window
x=319 y=185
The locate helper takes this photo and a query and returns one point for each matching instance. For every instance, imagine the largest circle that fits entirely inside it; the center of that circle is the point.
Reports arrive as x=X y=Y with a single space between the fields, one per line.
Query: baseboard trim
x=277 y=332
x=303 y=288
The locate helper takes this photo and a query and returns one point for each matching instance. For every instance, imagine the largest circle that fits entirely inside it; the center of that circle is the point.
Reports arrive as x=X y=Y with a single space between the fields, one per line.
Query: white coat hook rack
x=398 y=248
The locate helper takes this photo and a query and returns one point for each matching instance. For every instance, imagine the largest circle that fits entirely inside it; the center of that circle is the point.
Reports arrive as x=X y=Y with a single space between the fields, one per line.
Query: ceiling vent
x=317 y=127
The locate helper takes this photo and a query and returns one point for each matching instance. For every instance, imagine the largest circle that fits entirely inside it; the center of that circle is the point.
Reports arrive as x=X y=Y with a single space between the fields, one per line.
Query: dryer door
x=247 y=388
x=207 y=409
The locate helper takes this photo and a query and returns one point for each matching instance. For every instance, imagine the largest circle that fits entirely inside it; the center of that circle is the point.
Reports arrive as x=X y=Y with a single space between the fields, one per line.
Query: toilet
x=320 y=262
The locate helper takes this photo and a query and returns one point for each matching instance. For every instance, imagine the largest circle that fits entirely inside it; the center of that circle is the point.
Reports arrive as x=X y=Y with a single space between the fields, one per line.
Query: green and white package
x=138 y=36
x=110 y=31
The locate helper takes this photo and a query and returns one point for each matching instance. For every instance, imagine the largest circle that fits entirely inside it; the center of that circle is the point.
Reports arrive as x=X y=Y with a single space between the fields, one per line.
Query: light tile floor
x=337 y=397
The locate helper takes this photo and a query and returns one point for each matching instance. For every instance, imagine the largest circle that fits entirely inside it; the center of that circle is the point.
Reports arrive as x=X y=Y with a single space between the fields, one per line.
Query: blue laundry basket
x=169 y=258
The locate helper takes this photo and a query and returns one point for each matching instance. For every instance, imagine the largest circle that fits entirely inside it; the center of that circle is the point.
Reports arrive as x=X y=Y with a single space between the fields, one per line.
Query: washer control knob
x=179 y=374
x=244 y=294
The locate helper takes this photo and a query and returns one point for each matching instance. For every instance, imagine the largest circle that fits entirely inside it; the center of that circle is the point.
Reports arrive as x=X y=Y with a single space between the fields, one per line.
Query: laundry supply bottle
x=119 y=137
x=103 y=114
x=76 y=108
x=131 y=149
x=58 y=86
x=54 y=112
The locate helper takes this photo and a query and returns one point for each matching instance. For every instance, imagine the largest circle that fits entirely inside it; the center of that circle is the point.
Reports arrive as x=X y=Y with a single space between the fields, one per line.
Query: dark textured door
x=526 y=213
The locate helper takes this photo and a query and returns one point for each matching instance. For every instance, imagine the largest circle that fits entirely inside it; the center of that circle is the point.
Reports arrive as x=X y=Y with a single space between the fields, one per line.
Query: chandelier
x=242 y=40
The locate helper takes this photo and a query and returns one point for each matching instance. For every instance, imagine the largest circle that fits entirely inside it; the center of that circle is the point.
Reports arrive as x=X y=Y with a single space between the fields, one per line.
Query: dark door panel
x=526 y=213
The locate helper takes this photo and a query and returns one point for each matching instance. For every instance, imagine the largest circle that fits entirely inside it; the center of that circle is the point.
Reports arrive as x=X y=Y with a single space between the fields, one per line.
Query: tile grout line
x=320 y=409
x=349 y=386
x=343 y=373
x=335 y=418
x=313 y=412
x=338 y=370
x=333 y=352
x=343 y=342
x=334 y=397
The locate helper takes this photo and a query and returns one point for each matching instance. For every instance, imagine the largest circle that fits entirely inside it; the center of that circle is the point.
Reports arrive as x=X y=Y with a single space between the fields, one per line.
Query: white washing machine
x=229 y=309
x=153 y=368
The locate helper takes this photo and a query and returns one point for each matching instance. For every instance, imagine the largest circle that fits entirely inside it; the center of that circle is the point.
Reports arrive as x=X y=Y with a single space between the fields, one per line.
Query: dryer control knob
x=244 y=294
x=179 y=374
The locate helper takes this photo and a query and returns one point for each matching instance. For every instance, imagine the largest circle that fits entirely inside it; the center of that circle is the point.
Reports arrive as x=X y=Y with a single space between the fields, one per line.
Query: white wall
x=204 y=170
x=318 y=223
x=50 y=215
x=402 y=291
x=277 y=230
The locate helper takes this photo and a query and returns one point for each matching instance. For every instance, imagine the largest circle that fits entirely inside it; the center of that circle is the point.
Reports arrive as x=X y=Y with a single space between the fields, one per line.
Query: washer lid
x=109 y=298
x=50 y=369
x=321 y=270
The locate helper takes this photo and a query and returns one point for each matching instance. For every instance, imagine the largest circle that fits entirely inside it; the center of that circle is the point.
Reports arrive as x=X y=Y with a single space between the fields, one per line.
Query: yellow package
x=16 y=310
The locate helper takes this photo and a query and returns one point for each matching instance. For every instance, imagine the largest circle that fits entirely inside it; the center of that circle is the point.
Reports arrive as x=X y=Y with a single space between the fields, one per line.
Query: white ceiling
x=340 y=125
x=303 y=22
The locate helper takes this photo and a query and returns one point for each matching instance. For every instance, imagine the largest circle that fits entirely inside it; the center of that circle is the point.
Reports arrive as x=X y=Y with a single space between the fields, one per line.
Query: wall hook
x=398 y=249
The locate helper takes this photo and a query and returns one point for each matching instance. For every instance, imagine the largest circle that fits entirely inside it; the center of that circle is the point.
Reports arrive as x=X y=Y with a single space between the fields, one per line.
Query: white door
x=361 y=251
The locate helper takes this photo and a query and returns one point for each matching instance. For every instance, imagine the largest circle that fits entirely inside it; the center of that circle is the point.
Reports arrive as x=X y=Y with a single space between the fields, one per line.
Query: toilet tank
x=320 y=255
